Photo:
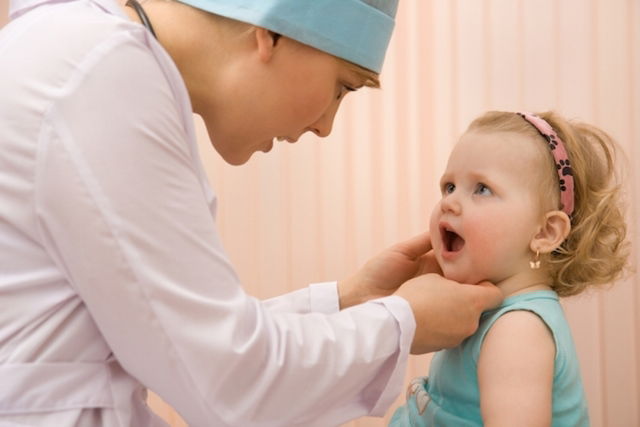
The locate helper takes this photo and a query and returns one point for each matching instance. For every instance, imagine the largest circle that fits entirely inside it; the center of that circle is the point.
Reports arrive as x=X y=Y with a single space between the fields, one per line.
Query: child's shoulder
x=543 y=304
x=535 y=311
x=518 y=335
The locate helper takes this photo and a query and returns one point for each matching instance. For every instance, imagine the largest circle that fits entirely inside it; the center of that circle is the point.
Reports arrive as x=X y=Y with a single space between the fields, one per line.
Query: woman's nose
x=323 y=126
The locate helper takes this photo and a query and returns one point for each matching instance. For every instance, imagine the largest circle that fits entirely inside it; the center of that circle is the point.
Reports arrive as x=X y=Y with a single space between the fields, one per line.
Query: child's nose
x=451 y=204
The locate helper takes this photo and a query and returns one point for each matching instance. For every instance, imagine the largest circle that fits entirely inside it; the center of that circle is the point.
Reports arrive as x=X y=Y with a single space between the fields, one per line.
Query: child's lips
x=452 y=242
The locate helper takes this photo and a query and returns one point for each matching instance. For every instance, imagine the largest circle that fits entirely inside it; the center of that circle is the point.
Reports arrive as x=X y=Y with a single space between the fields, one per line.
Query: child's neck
x=525 y=281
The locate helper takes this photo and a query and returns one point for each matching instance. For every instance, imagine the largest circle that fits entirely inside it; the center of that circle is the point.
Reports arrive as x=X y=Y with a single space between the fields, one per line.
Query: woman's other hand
x=383 y=274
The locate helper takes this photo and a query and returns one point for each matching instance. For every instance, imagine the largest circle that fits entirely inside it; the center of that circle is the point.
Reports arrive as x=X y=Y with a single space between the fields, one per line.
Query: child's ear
x=266 y=42
x=553 y=231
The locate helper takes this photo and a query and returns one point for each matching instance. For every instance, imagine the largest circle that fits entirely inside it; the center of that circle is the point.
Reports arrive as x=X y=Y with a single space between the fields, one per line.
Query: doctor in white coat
x=112 y=276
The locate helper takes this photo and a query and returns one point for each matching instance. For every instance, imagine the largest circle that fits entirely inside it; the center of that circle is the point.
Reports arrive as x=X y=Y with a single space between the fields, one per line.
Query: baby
x=530 y=203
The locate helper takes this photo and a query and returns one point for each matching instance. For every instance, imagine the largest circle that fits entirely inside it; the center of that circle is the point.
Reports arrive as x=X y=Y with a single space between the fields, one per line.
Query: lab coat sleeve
x=318 y=298
x=123 y=213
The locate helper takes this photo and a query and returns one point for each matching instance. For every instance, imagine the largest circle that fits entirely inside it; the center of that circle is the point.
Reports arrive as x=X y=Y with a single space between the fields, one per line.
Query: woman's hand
x=383 y=274
x=446 y=312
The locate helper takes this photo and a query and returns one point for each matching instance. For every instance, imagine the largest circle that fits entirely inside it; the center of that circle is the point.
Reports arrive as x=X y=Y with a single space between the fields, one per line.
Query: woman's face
x=274 y=91
x=250 y=87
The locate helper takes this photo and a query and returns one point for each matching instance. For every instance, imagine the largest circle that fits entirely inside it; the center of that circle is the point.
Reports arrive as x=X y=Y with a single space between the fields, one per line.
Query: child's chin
x=461 y=277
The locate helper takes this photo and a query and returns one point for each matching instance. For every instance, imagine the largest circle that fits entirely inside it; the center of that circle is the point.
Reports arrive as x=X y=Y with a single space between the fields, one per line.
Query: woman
x=113 y=278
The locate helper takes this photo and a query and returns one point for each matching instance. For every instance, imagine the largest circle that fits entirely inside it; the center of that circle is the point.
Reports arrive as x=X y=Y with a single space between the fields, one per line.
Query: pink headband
x=559 y=152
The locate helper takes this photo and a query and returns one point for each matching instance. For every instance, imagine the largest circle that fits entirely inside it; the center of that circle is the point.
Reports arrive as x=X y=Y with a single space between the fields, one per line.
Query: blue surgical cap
x=355 y=30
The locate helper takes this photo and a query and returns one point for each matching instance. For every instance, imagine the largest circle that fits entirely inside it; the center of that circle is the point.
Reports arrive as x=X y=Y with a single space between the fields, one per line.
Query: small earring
x=535 y=264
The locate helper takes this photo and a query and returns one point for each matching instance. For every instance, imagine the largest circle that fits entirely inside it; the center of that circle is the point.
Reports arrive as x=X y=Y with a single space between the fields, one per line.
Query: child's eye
x=483 y=190
x=448 y=188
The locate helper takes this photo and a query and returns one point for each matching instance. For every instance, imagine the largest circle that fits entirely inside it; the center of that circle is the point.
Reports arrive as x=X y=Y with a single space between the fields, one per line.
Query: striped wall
x=317 y=210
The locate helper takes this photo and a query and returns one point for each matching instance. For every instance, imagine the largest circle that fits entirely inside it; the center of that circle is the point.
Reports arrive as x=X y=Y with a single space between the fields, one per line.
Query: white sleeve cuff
x=323 y=297
x=401 y=310
x=315 y=298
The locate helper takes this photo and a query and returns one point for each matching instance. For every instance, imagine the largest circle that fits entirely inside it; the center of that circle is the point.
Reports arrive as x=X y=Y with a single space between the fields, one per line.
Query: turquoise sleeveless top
x=452 y=385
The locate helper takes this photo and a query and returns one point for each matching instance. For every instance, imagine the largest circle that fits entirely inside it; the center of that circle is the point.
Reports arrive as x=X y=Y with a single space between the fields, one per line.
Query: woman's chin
x=235 y=157
x=236 y=161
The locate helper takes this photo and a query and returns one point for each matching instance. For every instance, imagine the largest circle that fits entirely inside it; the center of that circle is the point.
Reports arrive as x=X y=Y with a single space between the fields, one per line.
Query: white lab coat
x=112 y=275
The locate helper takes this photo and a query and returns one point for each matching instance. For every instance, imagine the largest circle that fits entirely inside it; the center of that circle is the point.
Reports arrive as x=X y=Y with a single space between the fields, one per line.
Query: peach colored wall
x=4 y=11
x=315 y=211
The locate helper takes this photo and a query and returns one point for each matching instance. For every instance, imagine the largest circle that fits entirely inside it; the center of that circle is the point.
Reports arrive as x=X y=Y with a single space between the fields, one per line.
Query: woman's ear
x=554 y=230
x=266 y=42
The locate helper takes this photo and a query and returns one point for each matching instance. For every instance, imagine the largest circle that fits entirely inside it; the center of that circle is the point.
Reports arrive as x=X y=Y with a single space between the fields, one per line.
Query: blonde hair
x=368 y=77
x=595 y=252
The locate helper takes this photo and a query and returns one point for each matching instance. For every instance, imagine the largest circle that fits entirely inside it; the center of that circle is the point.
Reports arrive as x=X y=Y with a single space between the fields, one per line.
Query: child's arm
x=515 y=372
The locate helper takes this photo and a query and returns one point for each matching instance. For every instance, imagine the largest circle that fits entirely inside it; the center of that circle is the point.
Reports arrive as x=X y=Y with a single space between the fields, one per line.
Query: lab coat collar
x=20 y=7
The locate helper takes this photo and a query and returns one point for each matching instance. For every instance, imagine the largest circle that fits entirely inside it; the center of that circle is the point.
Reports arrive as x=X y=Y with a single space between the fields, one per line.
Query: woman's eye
x=448 y=188
x=343 y=90
x=483 y=190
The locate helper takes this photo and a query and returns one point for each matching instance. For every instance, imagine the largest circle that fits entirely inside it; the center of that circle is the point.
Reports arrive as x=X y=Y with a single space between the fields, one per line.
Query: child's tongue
x=457 y=243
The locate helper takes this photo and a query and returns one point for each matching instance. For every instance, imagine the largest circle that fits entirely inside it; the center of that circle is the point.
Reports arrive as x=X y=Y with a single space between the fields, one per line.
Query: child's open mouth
x=452 y=242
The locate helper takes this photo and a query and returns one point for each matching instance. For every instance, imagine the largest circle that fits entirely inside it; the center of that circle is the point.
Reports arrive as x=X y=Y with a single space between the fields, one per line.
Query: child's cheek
x=436 y=239
x=484 y=239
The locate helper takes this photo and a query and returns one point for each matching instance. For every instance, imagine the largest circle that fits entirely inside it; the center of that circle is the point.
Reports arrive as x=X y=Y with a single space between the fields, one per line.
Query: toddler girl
x=532 y=204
